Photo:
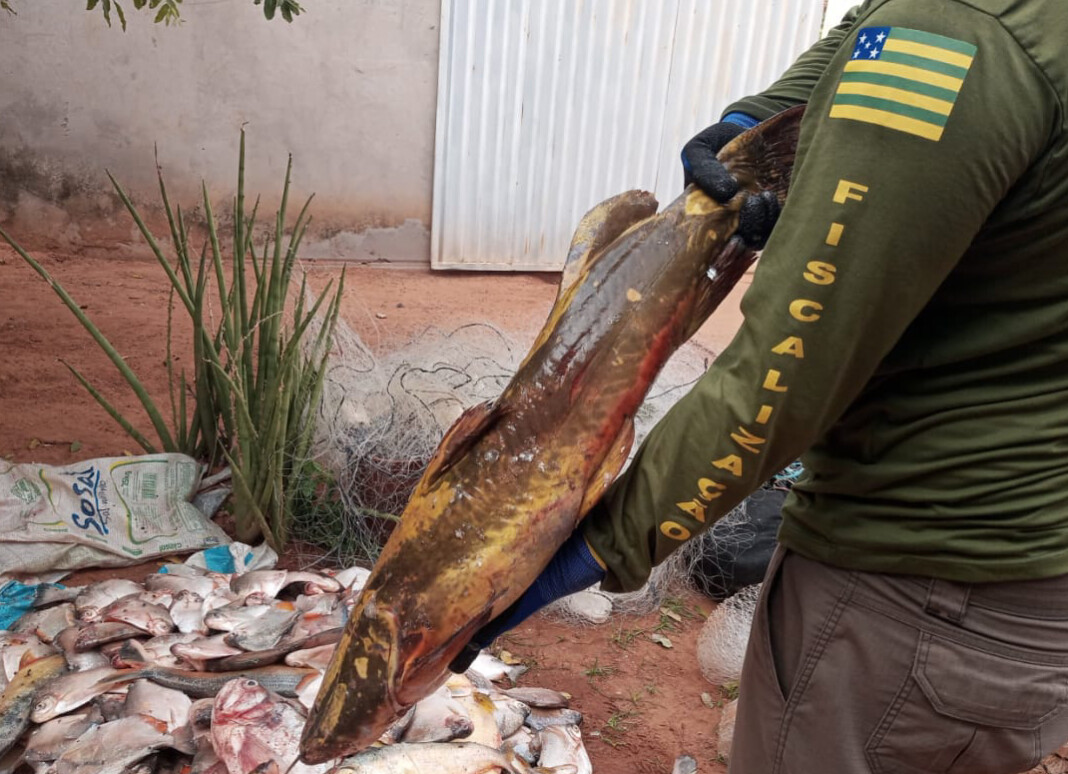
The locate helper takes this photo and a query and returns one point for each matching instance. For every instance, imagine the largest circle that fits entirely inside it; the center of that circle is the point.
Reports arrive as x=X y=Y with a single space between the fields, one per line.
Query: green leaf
x=76 y=446
x=269 y=7
x=91 y=4
x=122 y=16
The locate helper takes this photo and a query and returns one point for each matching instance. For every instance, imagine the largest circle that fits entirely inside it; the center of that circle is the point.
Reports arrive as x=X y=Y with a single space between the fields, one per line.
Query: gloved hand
x=572 y=569
x=701 y=167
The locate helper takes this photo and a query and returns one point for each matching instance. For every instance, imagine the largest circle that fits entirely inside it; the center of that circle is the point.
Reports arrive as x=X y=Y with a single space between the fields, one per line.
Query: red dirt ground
x=642 y=702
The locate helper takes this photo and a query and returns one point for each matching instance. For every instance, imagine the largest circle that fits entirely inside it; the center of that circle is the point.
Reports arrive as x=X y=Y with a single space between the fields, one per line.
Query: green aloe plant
x=258 y=372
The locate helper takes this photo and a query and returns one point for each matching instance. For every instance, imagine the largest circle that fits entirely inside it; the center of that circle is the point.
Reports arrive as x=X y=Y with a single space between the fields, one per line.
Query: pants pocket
x=969 y=709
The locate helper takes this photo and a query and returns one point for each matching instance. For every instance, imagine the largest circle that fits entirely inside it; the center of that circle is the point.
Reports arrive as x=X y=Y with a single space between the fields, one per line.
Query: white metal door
x=546 y=107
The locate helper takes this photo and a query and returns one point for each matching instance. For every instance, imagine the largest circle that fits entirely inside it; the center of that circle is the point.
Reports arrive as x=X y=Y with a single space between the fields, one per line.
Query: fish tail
x=762 y=158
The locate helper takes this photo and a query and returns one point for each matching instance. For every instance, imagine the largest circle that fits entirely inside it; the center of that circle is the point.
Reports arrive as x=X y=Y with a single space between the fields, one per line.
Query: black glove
x=571 y=569
x=701 y=167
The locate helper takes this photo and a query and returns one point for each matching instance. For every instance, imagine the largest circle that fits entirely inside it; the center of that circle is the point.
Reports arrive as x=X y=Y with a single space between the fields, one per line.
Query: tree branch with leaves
x=169 y=12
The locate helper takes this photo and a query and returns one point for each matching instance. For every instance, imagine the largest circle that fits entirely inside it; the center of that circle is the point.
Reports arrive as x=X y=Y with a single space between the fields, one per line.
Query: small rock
x=685 y=764
x=726 y=729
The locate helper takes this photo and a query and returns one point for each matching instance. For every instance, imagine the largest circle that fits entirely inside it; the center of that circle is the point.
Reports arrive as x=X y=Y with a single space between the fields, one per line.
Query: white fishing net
x=383 y=415
x=724 y=635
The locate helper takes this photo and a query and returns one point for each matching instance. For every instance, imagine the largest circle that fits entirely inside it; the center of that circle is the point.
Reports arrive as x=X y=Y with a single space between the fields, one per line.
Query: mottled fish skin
x=14 y=648
x=18 y=699
x=512 y=478
x=437 y=757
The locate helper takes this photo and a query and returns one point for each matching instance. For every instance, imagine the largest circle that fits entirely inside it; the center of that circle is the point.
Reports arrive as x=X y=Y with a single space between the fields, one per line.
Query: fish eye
x=251 y=683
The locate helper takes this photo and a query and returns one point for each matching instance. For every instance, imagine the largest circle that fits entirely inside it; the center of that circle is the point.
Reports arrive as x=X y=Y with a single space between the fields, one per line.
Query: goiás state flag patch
x=903 y=79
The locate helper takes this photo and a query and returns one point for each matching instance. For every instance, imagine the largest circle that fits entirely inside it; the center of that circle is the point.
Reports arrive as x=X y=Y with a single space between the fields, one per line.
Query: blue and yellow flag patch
x=903 y=79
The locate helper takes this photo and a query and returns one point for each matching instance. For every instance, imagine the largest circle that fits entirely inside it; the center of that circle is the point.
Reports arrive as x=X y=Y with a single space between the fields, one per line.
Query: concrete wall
x=349 y=88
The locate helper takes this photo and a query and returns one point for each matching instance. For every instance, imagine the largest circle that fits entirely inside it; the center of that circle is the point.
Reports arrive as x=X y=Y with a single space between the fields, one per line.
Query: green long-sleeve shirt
x=907 y=325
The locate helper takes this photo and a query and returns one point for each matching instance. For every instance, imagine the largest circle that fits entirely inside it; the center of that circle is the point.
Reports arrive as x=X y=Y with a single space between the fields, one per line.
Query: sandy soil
x=642 y=702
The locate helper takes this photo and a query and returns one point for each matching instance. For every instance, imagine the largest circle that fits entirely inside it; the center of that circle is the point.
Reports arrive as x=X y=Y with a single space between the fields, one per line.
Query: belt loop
x=947 y=600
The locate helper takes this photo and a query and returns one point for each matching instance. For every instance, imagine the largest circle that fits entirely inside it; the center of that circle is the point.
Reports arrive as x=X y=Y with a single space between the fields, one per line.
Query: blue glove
x=572 y=569
x=701 y=167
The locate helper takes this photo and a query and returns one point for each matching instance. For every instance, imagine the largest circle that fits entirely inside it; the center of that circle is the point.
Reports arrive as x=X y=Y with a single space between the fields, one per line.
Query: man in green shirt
x=906 y=333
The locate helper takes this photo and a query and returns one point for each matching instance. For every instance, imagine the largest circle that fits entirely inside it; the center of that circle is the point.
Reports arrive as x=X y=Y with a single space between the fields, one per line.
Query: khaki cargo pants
x=863 y=672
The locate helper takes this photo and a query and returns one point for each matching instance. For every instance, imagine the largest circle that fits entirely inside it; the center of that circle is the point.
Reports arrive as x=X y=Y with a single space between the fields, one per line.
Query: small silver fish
x=493 y=669
x=48 y=622
x=112 y=747
x=148 y=616
x=437 y=757
x=165 y=704
x=266 y=583
x=542 y=698
x=74 y=689
x=93 y=599
x=540 y=719
x=562 y=746
x=187 y=612
x=51 y=739
x=99 y=633
x=264 y=632
x=438 y=718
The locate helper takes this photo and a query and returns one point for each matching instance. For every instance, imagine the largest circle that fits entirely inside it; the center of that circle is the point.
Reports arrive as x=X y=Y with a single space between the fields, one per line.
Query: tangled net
x=724 y=636
x=382 y=417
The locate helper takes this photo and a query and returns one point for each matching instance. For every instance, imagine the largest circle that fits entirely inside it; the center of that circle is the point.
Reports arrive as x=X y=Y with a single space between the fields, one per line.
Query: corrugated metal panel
x=546 y=107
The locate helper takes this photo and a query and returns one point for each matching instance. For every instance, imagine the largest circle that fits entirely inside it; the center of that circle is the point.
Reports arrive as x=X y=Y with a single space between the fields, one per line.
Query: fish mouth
x=356 y=702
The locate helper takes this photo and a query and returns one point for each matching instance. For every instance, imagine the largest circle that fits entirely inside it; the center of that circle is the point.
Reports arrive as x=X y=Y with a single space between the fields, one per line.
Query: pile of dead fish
x=196 y=672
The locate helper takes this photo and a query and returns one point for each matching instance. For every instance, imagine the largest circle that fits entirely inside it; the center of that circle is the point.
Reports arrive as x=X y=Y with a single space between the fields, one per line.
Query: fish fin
x=601 y=226
x=463 y=434
x=762 y=158
x=609 y=468
x=416 y=683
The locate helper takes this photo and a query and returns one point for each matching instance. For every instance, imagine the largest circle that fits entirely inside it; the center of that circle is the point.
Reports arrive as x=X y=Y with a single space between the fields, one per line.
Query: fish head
x=45 y=708
x=358 y=699
x=241 y=699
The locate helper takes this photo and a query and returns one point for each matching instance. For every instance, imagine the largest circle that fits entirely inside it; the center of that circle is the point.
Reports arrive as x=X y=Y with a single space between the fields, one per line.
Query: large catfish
x=513 y=477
